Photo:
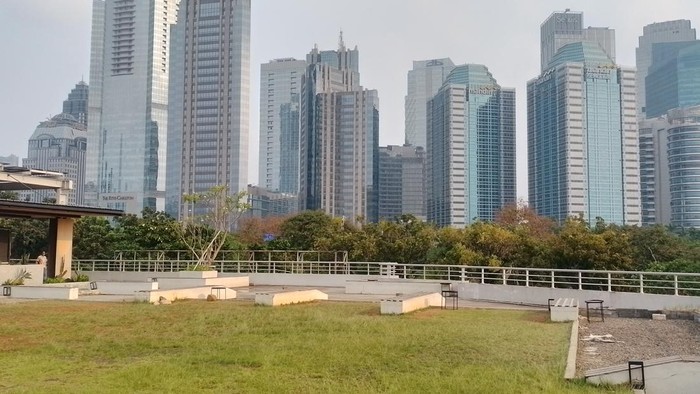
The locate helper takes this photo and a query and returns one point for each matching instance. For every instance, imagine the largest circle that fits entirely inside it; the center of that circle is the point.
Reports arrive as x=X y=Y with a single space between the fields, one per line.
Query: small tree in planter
x=209 y=217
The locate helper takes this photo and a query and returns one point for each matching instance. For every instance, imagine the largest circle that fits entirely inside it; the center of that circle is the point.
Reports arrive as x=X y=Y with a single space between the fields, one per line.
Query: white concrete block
x=197 y=274
x=45 y=292
x=409 y=303
x=564 y=309
x=196 y=293
x=289 y=297
x=181 y=283
x=658 y=316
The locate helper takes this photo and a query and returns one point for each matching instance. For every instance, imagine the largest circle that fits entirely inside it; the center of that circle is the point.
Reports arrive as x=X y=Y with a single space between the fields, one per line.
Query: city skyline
x=465 y=34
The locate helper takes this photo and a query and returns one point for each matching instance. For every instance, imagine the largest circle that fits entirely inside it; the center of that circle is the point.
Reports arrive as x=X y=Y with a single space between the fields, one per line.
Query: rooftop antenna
x=341 y=43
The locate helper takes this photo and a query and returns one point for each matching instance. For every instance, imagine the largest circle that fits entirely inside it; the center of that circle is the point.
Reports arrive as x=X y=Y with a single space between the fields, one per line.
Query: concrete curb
x=570 y=371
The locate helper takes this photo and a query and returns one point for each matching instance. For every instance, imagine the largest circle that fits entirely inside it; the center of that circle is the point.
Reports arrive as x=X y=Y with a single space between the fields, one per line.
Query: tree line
x=517 y=237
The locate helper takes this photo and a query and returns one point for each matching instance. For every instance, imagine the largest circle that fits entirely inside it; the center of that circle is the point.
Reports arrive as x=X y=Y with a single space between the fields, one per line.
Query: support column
x=60 y=247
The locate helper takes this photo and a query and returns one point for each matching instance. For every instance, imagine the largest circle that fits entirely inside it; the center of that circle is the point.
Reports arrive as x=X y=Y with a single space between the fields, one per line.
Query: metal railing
x=672 y=283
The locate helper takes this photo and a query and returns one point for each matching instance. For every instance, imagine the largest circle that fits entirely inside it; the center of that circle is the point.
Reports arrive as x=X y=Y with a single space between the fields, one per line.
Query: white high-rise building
x=128 y=103
x=424 y=80
x=280 y=91
x=562 y=28
x=59 y=145
x=208 y=129
x=671 y=31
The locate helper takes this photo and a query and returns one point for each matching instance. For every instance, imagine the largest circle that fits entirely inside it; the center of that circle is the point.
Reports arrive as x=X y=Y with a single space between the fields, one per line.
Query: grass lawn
x=236 y=347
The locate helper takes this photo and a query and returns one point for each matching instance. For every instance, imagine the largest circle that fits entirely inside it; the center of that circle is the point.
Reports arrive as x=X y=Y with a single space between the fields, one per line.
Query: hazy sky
x=45 y=48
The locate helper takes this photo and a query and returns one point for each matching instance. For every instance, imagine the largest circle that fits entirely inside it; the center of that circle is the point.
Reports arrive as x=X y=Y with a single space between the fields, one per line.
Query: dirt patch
x=536 y=317
x=634 y=339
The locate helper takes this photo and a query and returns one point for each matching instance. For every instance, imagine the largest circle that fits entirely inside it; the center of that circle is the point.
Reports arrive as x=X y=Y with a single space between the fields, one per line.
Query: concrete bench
x=181 y=283
x=564 y=309
x=289 y=297
x=408 y=303
x=44 y=292
x=191 y=293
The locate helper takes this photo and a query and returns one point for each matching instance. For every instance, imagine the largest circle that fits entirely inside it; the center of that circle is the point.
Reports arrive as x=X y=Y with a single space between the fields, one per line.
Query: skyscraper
x=280 y=88
x=424 y=80
x=339 y=137
x=401 y=181
x=76 y=104
x=653 y=170
x=128 y=103
x=671 y=31
x=673 y=80
x=471 y=148
x=566 y=27
x=209 y=98
x=59 y=145
x=583 y=147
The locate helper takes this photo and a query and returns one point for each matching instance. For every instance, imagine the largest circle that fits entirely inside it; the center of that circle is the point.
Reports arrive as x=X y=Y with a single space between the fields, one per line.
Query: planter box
x=197 y=274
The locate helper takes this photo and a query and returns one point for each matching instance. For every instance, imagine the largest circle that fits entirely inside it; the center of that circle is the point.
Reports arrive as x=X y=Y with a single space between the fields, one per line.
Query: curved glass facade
x=684 y=166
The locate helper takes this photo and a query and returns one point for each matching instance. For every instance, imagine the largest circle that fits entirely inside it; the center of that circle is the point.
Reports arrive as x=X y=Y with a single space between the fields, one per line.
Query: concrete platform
x=45 y=292
x=409 y=303
x=180 y=283
x=289 y=297
x=196 y=293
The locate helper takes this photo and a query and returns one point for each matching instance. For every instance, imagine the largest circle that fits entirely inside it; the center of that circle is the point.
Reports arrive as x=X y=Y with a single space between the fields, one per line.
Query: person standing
x=41 y=260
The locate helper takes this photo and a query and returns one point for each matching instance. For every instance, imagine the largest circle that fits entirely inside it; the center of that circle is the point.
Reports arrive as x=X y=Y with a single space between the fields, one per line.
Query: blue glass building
x=583 y=148
x=471 y=148
x=674 y=77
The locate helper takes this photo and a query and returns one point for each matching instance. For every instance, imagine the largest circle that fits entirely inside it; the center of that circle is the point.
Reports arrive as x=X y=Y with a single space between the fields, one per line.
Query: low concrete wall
x=391 y=286
x=125 y=288
x=289 y=297
x=45 y=292
x=115 y=276
x=409 y=303
x=539 y=296
x=677 y=374
x=179 y=283
x=10 y=271
x=197 y=293
x=312 y=280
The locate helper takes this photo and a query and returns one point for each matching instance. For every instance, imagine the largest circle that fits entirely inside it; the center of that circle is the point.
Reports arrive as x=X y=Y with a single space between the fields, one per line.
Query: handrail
x=672 y=283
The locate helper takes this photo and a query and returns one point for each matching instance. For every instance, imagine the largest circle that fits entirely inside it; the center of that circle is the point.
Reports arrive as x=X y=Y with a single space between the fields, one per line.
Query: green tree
x=302 y=230
x=29 y=236
x=93 y=238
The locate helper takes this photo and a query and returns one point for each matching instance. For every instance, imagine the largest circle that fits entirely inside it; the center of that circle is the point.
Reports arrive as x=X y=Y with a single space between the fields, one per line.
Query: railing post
x=503 y=275
x=527 y=278
x=423 y=272
x=609 y=281
x=580 y=285
x=482 y=276
x=641 y=283
x=675 y=284
x=552 y=276
x=461 y=275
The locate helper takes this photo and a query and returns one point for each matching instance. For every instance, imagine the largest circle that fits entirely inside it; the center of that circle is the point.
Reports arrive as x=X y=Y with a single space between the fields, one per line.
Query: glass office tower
x=128 y=103
x=424 y=80
x=471 y=148
x=671 y=31
x=583 y=147
x=209 y=98
x=280 y=88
